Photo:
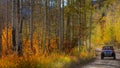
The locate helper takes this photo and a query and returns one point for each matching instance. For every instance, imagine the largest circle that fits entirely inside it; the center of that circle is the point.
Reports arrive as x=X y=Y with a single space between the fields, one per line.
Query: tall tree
x=31 y=25
x=59 y=21
x=13 y=26
x=19 y=28
x=1 y=24
x=7 y=24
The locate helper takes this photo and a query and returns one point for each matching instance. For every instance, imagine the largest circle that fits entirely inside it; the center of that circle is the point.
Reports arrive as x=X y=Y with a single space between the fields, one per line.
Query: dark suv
x=108 y=51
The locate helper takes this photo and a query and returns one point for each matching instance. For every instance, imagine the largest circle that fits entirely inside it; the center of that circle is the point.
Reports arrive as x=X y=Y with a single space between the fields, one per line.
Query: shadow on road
x=107 y=62
x=118 y=60
x=105 y=65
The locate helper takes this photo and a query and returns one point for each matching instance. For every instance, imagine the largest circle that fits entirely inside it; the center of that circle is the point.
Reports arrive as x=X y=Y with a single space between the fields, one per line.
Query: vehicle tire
x=114 y=57
x=102 y=57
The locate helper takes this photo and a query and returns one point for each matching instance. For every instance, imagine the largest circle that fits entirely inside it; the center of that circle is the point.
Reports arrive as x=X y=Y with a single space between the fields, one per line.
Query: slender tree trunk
x=57 y=28
x=7 y=24
x=39 y=24
x=60 y=29
x=62 y=25
x=48 y=24
x=90 y=24
x=1 y=24
x=44 y=27
x=79 y=34
x=19 y=32
x=1 y=38
x=68 y=28
x=13 y=27
x=31 y=25
x=1 y=27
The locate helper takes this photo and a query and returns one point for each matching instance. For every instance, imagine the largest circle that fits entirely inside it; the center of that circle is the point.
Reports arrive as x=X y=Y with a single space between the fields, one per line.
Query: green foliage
x=105 y=3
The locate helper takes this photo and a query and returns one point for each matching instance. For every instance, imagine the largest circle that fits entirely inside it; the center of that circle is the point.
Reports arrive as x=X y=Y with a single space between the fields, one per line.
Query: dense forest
x=38 y=30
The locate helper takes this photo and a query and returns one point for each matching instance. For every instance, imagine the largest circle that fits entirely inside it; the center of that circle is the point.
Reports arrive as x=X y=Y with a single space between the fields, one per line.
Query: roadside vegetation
x=40 y=60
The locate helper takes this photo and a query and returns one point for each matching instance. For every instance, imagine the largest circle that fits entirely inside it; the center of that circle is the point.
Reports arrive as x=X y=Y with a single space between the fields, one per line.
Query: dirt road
x=108 y=62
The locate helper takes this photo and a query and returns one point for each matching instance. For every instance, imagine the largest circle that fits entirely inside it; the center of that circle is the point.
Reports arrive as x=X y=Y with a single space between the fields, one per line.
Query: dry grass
x=37 y=59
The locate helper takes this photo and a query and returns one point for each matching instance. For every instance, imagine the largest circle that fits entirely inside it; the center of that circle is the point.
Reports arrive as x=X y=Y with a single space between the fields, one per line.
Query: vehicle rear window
x=107 y=48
